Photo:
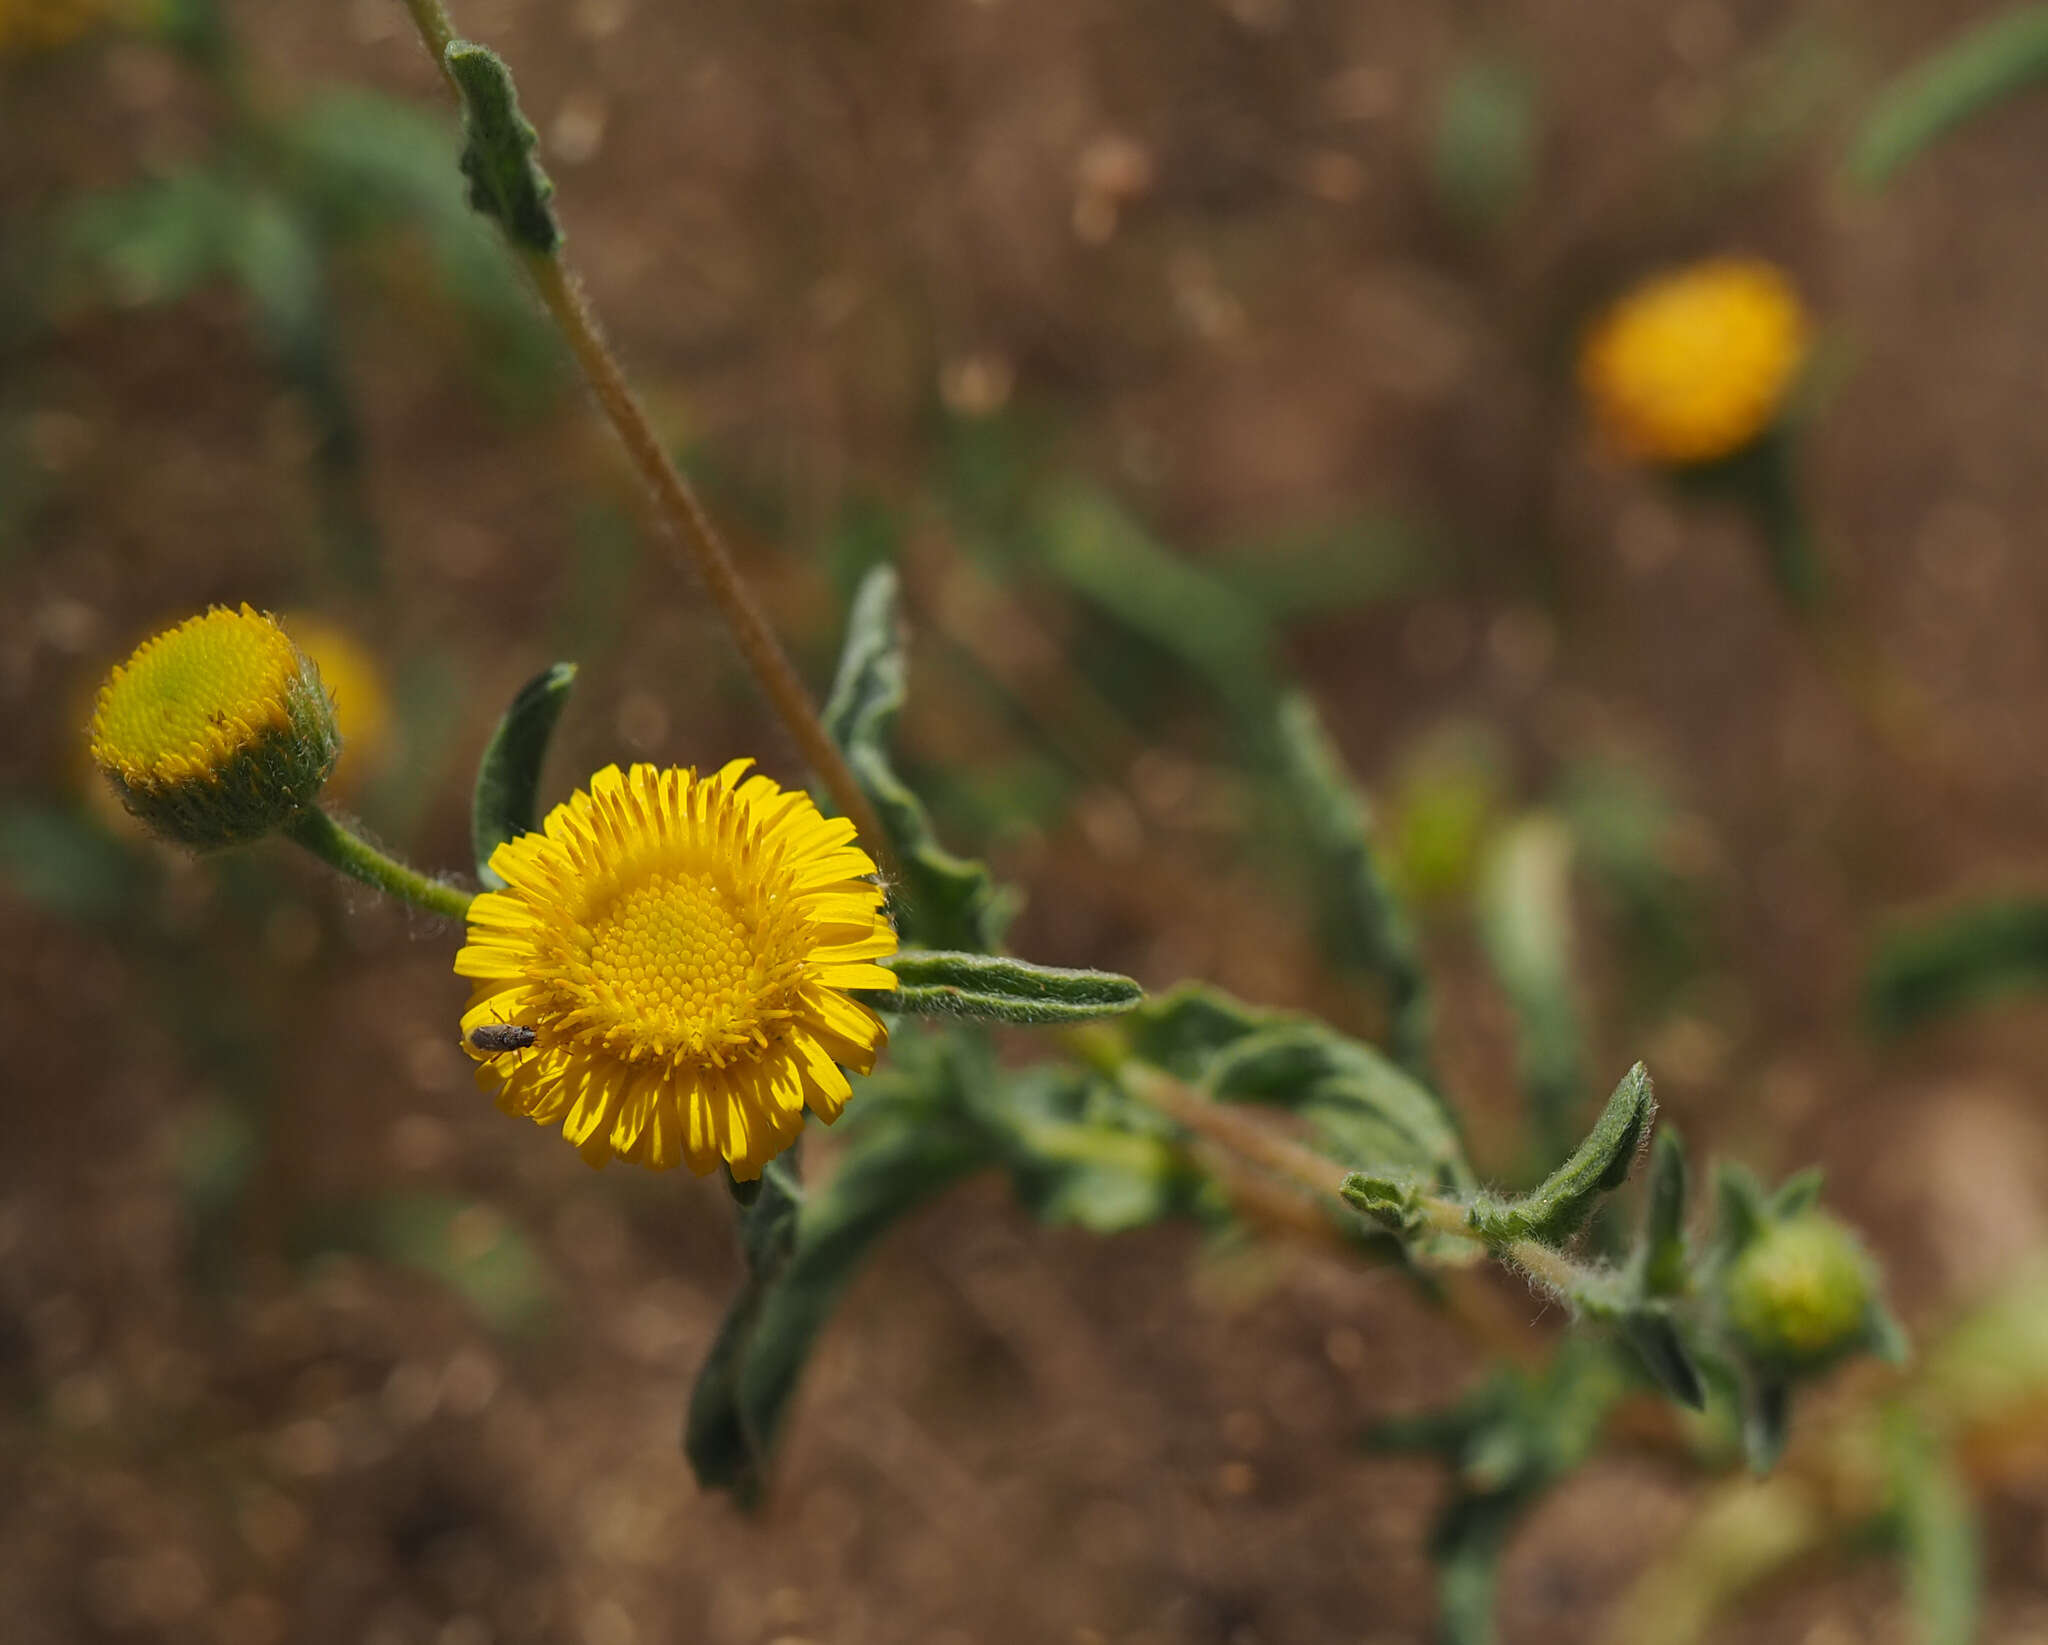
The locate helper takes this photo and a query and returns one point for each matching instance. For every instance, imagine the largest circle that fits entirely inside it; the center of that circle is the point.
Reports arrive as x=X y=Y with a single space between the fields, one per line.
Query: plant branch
x=675 y=499
x=354 y=856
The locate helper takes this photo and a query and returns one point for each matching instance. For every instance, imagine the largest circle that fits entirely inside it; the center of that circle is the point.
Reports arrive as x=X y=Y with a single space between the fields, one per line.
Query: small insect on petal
x=493 y=1037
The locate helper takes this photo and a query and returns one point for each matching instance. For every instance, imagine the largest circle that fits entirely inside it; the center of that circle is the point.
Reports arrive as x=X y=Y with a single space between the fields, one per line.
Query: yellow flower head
x=678 y=945
x=355 y=685
x=216 y=731
x=1695 y=364
x=28 y=26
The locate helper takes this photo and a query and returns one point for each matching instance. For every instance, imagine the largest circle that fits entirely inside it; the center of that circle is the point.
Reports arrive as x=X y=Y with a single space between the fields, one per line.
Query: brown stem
x=1241 y=1140
x=693 y=529
x=677 y=502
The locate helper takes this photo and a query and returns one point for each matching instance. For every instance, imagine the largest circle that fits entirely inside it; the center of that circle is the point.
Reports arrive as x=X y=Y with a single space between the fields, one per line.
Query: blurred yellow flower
x=355 y=685
x=677 y=947
x=217 y=731
x=1695 y=364
x=29 y=26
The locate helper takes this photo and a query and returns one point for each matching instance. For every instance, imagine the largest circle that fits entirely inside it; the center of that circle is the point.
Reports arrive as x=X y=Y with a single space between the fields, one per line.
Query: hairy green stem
x=334 y=845
x=676 y=500
x=1541 y=1263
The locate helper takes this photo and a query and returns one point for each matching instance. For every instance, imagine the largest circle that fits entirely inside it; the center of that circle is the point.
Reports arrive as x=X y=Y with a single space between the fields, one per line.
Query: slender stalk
x=437 y=32
x=1538 y=1261
x=676 y=500
x=1239 y=1135
x=1241 y=1140
x=354 y=856
x=692 y=527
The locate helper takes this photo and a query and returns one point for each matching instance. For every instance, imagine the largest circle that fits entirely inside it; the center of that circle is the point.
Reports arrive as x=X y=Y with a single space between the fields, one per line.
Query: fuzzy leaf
x=1663 y=1255
x=996 y=988
x=1653 y=1334
x=1568 y=1195
x=1183 y=1028
x=508 y=776
x=801 y=1257
x=1741 y=1209
x=1366 y=922
x=505 y=181
x=943 y=901
x=1979 y=69
x=1369 y=1112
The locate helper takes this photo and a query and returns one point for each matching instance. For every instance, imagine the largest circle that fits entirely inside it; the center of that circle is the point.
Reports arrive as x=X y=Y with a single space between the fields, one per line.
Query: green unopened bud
x=216 y=732
x=1802 y=1293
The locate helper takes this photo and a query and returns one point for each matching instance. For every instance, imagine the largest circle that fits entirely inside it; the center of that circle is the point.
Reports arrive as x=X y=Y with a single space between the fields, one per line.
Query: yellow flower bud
x=1801 y=1292
x=217 y=731
x=1696 y=364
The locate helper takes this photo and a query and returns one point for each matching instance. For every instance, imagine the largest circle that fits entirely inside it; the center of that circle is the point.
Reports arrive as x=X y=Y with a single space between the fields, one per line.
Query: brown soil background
x=806 y=224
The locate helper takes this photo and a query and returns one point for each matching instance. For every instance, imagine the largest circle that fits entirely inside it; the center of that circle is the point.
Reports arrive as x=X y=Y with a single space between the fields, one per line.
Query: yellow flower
x=1695 y=364
x=216 y=731
x=28 y=26
x=355 y=685
x=678 y=946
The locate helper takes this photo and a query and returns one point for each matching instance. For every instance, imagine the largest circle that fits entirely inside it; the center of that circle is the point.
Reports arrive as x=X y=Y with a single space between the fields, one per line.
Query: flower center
x=680 y=965
x=195 y=693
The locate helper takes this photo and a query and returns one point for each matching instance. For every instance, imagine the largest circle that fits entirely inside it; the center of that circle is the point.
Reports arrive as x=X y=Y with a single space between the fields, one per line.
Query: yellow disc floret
x=216 y=731
x=680 y=947
x=1696 y=364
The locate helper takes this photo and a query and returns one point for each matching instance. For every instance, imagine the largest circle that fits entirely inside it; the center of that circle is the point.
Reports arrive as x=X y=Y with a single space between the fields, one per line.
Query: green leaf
x=1366 y=921
x=1653 y=1334
x=469 y=1246
x=506 y=801
x=1939 y=1538
x=1392 y=1200
x=1974 y=72
x=67 y=864
x=1526 y=925
x=716 y=1437
x=943 y=901
x=155 y=242
x=996 y=988
x=505 y=181
x=1741 y=1208
x=361 y=163
x=801 y=1260
x=1484 y=151
x=1093 y=545
x=1318 y=572
x=1964 y=956
x=1507 y=1444
x=1183 y=1028
x=1663 y=1258
x=1368 y=1112
x=1568 y=1195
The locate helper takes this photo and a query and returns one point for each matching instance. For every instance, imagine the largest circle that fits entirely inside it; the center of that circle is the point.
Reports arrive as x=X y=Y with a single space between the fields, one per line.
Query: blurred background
x=1172 y=348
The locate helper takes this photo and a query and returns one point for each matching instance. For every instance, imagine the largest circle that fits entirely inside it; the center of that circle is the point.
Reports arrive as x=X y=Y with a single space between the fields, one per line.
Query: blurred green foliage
x=1984 y=66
